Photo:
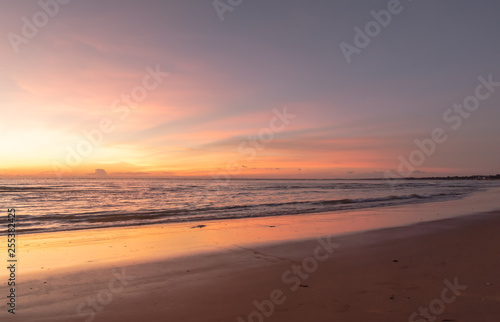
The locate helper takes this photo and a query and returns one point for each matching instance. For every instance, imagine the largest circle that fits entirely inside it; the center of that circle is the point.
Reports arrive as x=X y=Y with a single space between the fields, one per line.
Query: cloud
x=99 y=173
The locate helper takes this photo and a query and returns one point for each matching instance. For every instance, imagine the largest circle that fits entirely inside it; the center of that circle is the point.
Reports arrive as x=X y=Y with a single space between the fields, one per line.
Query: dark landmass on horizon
x=474 y=177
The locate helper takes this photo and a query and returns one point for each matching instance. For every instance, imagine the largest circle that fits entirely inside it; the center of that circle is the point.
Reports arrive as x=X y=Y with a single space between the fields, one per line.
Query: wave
x=114 y=218
x=17 y=188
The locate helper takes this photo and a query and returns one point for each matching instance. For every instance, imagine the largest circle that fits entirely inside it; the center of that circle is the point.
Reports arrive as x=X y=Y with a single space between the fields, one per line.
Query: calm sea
x=55 y=205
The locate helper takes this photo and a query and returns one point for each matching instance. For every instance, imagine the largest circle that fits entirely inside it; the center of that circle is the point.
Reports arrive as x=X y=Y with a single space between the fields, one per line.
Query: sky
x=258 y=89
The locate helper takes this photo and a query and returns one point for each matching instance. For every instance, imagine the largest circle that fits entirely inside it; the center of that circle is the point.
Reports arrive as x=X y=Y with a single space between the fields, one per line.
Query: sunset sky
x=228 y=79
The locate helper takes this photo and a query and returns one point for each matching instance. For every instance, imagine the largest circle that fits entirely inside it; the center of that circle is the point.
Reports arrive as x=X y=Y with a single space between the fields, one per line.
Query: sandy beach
x=445 y=269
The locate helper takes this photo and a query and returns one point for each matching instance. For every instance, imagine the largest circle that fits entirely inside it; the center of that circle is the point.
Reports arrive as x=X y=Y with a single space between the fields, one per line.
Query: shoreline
x=43 y=253
x=66 y=215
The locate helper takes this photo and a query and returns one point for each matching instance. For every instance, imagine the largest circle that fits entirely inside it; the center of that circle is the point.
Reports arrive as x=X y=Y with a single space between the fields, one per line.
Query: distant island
x=475 y=177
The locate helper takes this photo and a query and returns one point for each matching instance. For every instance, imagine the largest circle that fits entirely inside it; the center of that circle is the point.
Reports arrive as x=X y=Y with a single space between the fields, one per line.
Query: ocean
x=48 y=205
